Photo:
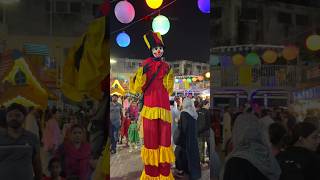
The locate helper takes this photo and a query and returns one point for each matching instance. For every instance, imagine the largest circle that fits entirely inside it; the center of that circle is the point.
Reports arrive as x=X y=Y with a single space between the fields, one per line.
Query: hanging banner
x=245 y=75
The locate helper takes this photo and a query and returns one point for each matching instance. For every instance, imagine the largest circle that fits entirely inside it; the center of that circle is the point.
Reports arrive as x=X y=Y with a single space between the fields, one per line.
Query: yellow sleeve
x=168 y=81
x=138 y=82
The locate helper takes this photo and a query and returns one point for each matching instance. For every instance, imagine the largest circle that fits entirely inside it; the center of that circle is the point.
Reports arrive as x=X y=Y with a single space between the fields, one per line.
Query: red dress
x=125 y=126
x=157 y=153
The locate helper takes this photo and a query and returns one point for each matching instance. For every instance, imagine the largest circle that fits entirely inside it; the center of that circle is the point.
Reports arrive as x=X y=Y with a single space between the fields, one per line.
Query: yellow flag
x=86 y=65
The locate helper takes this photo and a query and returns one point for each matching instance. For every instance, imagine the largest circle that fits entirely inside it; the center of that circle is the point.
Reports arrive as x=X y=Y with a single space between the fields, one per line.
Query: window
x=75 y=7
x=61 y=7
x=302 y=20
x=20 y=78
x=198 y=69
x=204 y=68
x=176 y=66
x=284 y=18
x=249 y=14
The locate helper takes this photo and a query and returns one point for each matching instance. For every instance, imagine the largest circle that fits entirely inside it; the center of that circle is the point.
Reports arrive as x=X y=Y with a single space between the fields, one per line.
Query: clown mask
x=157 y=52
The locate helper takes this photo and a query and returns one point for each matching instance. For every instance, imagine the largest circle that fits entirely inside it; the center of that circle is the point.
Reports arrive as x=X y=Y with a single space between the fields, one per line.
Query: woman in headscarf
x=251 y=158
x=187 y=152
x=76 y=155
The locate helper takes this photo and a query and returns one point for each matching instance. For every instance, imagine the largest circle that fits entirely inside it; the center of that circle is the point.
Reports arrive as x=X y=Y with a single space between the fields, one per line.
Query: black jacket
x=187 y=154
x=203 y=122
x=306 y=164
x=241 y=169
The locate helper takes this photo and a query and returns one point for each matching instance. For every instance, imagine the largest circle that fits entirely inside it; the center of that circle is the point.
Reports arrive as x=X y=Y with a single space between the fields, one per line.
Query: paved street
x=128 y=166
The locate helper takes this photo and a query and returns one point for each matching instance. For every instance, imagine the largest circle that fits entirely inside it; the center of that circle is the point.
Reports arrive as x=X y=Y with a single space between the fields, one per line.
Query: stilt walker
x=154 y=79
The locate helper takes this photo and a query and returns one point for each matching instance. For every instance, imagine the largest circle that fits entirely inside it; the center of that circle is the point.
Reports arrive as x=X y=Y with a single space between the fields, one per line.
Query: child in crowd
x=125 y=123
x=54 y=169
x=133 y=133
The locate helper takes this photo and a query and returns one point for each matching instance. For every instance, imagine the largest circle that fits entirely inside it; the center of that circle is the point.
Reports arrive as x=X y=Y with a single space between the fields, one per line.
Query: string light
x=143 y=18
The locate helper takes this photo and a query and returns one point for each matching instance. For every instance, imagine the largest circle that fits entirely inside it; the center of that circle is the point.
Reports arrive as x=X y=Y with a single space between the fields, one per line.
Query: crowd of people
x=243 y=143
x=51 y=144
x=126 y=128
x=271 y=144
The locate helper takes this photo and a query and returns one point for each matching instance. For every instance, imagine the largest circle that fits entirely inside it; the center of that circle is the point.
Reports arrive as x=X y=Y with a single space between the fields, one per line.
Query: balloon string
x=155 y=12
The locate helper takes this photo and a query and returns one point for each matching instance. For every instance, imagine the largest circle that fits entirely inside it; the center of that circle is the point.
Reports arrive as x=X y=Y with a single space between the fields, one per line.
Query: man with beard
x=19 y=149
x=115 y=117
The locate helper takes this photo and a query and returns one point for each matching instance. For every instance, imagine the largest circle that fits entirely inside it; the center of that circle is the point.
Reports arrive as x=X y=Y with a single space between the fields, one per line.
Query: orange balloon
x=270 y=56
x=238 y=59
x=290 y=53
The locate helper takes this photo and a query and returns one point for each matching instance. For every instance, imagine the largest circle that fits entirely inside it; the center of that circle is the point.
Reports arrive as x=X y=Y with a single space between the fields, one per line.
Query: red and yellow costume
x=157 y=153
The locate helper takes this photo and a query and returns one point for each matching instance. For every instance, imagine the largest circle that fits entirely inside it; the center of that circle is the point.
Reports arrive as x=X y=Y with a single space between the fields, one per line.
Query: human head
x=114 y=98
x=54 y=167
x=154 y=43
x=276 y=133
x=247 y=129
x=15 y=115
x=205 y=104
x=188 y=104
x=77 y=134
x=306 y=135
x=196 y=104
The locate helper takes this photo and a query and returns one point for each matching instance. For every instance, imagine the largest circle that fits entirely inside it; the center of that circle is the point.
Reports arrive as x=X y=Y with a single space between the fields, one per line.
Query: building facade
x=180 y=67
x=258 y=25
x=53 y=25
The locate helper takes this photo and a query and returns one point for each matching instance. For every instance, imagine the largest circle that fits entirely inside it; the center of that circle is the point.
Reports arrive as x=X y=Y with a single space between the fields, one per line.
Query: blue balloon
x=204 y=6
x=225 y=61
x=123 y=39
x=214 y=60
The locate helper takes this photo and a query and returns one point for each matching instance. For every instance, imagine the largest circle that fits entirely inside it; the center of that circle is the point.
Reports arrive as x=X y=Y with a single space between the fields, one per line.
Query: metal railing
x=269 y=76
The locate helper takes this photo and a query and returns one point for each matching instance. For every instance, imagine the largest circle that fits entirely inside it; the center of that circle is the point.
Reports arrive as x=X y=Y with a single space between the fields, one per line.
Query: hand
x=146 y=68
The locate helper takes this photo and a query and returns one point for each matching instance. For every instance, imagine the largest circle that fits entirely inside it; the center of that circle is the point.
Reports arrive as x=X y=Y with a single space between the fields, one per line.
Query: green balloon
x=252 y=59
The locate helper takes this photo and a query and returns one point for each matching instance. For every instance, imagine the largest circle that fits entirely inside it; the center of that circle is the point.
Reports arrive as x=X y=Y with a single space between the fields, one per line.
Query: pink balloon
x=124 y=12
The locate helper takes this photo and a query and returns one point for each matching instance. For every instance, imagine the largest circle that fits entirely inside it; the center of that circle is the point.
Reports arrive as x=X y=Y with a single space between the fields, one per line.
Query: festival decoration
x=252 y=59
x=200 y=78
x=123 y=39
x=204 y=6
x=290 y=52
x=176 y=80
x=270 y=56
x=189 y=80
x=238 y=59
x=207 y=75
x=154 y=4
x=313 y=42
x=213 y=60
x=184 y=80
x=194 y=79
x=225 y=61
x=124 y=12
x=161 y=24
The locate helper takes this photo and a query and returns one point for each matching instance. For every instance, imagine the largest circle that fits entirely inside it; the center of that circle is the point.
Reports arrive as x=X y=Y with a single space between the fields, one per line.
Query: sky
x=187 y=39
